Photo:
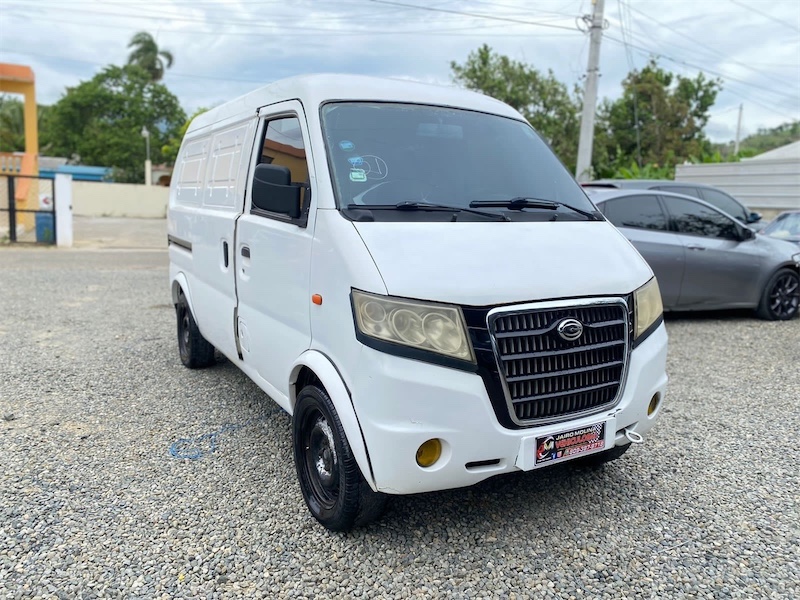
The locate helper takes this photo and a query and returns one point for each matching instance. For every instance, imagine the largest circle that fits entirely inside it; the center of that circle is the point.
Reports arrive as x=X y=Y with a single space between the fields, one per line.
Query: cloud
x=225 y=48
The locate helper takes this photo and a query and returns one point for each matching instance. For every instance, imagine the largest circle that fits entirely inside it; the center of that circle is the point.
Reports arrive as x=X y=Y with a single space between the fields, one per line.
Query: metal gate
x=27 y=209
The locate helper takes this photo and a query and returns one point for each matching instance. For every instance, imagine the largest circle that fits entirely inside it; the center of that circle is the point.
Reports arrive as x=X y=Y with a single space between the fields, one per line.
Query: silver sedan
x=703 y=258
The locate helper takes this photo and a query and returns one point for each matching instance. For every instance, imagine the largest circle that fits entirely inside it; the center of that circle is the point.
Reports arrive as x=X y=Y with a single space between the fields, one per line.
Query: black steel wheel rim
x=320 y=460
x=784 y=298
x=183 y=330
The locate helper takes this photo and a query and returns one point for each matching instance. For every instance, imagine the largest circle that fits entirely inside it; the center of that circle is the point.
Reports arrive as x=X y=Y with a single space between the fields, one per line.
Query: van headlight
x=647 y=307
x=438 y=328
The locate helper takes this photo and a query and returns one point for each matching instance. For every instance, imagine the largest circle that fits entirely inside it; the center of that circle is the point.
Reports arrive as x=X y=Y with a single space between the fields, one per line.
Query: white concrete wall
x=94 y=199
x=756 y=183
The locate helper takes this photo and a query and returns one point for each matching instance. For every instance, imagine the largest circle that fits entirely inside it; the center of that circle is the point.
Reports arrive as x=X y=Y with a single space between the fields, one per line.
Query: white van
x=411 y=273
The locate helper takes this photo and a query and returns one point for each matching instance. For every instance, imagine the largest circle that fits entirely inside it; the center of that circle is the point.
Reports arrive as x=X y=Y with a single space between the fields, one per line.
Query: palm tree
x=149 y=56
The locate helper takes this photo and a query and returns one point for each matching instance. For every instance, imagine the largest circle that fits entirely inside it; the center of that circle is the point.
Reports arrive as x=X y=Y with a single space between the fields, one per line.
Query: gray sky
x=224 y=48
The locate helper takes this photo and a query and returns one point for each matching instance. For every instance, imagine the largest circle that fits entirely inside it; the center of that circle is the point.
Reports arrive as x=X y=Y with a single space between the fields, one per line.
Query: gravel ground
x=93 y=503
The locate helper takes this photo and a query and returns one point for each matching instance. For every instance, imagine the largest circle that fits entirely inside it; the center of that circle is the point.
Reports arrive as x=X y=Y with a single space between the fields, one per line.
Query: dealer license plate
x=564 y=445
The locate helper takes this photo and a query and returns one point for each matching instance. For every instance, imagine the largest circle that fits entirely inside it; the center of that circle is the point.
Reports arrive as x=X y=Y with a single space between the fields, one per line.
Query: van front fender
x=330 y=379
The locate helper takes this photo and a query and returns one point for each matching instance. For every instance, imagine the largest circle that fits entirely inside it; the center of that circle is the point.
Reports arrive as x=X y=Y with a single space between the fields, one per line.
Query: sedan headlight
x=435 y=328
x=647 y=307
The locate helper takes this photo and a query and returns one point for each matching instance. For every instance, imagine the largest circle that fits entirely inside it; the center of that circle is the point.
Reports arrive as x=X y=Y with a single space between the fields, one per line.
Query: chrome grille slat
x=529 y=376
x=548 y=378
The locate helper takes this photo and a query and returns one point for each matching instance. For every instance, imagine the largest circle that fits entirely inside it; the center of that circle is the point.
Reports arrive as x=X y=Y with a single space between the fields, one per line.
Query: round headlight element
x=373 y=317
x=443 y=333
x=408 y=326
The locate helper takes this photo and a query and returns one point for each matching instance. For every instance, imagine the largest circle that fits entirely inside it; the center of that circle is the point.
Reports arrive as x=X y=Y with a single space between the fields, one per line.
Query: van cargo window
x=283 y=146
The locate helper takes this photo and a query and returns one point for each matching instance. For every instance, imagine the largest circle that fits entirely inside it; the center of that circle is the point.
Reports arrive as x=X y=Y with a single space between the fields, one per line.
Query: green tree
x=101 y=121
x=147 y=55
x=542 y=99
x=769 y=139
x=173 y=145
x=12 y=125
x=671 y=111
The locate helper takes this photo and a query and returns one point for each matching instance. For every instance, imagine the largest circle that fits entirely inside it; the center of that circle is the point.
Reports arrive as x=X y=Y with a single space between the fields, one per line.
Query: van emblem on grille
x=570 y=329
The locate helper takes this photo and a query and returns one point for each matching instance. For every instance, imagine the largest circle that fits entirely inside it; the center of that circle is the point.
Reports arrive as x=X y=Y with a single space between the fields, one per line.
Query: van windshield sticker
x=347 y=145
x=355 y=161
x=358 y=175
x=374 y=166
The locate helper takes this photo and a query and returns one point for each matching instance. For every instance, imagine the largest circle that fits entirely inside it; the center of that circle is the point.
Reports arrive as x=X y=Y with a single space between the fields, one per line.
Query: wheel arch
x=313 y=367
x=180 y=283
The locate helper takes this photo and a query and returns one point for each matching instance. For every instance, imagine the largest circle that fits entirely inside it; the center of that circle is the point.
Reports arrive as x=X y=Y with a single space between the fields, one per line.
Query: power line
x=470 y=14
x=740 y=95
x=450 y=32
x=696 y=42
x=706 y=69
x=766 y=15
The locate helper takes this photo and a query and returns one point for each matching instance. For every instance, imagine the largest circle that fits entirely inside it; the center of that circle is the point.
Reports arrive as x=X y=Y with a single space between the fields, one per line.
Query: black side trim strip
x=179 y=242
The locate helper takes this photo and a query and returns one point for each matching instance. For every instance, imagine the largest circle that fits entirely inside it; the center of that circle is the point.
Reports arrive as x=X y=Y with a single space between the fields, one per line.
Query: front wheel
x=781 y=298
x=330 y=479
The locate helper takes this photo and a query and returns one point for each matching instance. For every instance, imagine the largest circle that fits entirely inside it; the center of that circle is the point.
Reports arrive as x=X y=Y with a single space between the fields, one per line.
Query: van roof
x=313 y=90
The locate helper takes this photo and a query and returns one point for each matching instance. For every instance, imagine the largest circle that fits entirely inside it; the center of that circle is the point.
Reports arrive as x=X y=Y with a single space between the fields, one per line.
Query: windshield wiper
x=409 y=205
x=521 y=202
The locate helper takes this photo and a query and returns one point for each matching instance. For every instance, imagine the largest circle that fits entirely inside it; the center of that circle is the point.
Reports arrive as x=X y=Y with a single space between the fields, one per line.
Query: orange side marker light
x=316 y=299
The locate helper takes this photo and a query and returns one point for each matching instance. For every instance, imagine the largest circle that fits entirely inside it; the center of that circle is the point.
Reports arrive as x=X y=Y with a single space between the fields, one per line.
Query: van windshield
x=389 y=158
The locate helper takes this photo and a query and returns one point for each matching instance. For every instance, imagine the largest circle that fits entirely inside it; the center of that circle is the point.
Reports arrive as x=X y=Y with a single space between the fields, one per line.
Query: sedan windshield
x=387 y=155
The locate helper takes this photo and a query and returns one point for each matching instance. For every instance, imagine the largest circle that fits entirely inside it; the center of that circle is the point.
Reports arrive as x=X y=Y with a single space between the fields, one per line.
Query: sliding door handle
x=246 y=251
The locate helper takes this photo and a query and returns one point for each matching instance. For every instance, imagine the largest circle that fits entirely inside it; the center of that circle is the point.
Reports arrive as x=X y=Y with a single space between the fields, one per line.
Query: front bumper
x=401 y=403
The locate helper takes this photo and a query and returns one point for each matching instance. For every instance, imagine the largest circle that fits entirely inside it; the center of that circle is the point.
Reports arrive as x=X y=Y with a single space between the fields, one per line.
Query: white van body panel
x=401 y=403
x=205 y=201
x=333 y=278
x=388 y=404
x=520 y=263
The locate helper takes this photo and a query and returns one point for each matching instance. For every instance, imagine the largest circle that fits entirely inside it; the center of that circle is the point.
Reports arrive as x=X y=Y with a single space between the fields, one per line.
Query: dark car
x=714 y=196
x=703 y=258
x=786 y=226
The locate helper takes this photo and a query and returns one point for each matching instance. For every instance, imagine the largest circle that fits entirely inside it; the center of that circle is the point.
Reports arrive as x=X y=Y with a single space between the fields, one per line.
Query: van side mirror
x=273 y=191
x=753 y=217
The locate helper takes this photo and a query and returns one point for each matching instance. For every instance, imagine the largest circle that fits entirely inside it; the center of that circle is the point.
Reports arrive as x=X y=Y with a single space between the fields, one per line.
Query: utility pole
x=738 y=131
x=583 y=169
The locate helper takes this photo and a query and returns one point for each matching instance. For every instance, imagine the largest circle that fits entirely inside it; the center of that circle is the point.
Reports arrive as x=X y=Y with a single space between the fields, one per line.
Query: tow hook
x=633 y=437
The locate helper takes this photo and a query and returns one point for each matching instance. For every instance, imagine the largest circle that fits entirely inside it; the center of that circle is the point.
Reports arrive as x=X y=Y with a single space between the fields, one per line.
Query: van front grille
x=547 y=377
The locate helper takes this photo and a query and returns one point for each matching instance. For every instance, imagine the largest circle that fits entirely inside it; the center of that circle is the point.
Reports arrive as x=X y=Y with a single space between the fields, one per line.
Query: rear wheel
x=781 y=298
x=330 y=479
x=195 y=350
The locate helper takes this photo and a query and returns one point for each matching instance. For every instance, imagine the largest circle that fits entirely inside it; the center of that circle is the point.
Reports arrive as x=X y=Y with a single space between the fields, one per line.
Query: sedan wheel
x=781 y=299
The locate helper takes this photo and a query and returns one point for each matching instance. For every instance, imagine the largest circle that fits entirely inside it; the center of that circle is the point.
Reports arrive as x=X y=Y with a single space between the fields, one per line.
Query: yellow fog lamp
x=653 y=406
x=429 y=452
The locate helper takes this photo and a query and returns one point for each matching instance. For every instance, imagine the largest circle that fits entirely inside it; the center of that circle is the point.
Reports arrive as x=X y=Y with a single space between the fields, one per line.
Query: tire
x=330 y=479
x=194 y=349
x=781 y=298
x=601 y=458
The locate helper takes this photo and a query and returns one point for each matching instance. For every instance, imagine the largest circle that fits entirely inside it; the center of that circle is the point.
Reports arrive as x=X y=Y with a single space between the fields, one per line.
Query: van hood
x=481 y=264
